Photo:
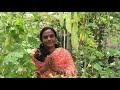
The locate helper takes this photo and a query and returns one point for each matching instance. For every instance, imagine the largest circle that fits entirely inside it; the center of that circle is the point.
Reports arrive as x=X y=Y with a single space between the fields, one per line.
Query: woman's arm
x=70 y=69
x=40 y=66
x=69 y=66
x=62 y=63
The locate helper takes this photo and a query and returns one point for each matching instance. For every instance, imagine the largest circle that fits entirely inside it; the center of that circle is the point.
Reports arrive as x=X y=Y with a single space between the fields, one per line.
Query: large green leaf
x=61 y=18
x=108 y=73
x=75 y=23
x=113 y=50
x=92 y=58
x=99 y=54
x=68 y=22
x=97 y=66
x=74 y=41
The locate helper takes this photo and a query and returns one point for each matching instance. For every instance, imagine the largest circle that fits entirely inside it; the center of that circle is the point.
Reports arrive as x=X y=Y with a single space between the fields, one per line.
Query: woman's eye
x=51 y=36
x=45 y=37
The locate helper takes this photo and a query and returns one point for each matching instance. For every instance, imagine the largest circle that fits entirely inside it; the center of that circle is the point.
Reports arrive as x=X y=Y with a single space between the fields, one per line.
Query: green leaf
x=29 y=51
x=74 y=41
x=117 y=64
x=113 y=50
x=92 y=58
x=99 y=54
x=13 y=56
x=61 y=18
x=68 y=22
x=8 y=40
x=93 y=25
x=97 y=66
x=33 y=41
x=75 y=24
x=17 y=47
x=75 y=17
x=110 y=73
x=19 y=54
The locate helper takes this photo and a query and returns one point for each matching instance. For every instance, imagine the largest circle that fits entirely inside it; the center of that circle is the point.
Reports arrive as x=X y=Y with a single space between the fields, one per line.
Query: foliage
x=87 y=33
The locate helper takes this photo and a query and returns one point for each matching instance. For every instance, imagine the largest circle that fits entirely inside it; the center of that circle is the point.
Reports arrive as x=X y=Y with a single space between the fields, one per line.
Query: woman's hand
x=43 y=69
x=51 y=64
x=54 y=68
x=46 y=66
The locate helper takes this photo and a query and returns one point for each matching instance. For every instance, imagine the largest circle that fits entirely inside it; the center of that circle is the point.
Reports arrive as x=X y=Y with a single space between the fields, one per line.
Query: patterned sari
x=62 y=59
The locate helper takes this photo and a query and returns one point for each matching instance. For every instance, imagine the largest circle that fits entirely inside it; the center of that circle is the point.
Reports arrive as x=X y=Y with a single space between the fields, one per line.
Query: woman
x=51 y=59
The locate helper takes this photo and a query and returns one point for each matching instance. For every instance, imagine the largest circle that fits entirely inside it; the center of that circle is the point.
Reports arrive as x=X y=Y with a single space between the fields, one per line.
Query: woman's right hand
x=44 y=68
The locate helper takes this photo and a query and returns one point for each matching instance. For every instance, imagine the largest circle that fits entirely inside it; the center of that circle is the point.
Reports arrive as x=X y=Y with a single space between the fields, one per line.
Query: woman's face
x=48 y=38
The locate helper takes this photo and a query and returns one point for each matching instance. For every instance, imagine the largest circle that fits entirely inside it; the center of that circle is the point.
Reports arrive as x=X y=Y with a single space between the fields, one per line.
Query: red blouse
x=62 y=59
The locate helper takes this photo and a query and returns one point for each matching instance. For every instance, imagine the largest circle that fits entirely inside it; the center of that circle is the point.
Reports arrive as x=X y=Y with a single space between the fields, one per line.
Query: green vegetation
x=93 y=39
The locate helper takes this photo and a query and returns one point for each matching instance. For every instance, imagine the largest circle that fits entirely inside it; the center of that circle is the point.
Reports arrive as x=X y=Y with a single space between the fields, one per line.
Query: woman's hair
x=42 y=50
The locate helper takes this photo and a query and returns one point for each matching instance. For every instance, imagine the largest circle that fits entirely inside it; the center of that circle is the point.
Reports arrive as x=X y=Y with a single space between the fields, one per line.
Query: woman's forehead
x=48 y=32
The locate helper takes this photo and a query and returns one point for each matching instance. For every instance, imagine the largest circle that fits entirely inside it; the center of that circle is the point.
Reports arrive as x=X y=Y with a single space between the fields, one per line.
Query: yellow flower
x=50 y=75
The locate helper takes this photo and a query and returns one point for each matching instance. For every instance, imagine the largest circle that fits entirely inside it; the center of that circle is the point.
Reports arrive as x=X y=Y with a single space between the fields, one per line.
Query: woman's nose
x=49 y=38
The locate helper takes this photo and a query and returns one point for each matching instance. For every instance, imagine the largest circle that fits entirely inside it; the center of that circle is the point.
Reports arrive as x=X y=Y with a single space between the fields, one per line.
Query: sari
x=62 y=59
